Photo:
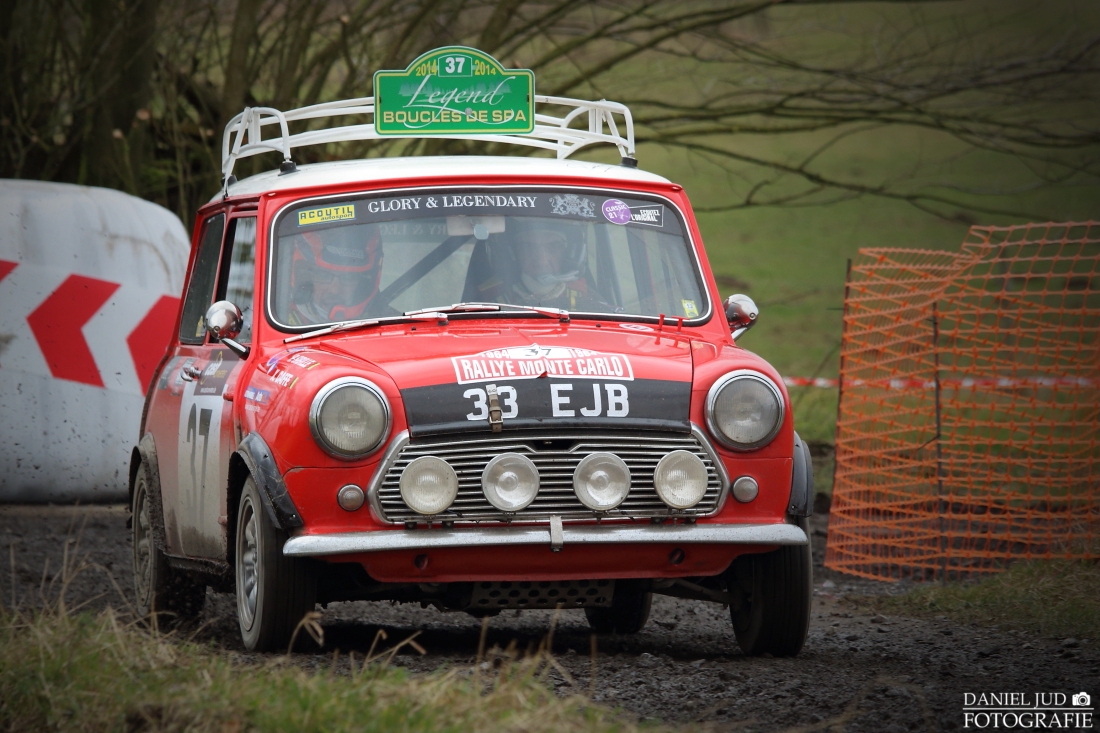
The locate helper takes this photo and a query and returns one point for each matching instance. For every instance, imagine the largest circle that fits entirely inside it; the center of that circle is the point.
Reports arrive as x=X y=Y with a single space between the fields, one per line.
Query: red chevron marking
x=151 y=338
x=6 y=267
x=57 y=323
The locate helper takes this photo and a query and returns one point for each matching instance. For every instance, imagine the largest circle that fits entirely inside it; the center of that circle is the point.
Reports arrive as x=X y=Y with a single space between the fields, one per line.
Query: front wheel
x=164 y=594
x=274 y=591
x=627 y=614
x=775 y=593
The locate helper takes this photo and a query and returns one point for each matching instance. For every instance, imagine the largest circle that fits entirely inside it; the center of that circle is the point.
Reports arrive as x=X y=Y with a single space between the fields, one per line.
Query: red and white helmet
x=351 y=253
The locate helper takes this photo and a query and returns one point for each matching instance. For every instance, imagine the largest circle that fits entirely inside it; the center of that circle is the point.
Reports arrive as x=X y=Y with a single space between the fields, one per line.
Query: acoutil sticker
x=326 y=214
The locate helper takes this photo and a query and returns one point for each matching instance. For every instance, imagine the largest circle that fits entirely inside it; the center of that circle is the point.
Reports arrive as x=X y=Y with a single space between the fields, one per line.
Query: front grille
x=556 y=456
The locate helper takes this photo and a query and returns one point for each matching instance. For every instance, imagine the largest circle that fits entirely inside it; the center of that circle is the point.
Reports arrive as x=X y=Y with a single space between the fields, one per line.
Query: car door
x=206 y=433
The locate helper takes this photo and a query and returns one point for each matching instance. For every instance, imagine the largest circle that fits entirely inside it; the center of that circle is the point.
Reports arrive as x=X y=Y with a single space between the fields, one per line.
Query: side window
x=242 y=269
x=200 y=291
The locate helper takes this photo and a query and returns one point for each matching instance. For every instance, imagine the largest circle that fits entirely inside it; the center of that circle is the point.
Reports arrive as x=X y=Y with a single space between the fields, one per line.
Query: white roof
x=381 y=169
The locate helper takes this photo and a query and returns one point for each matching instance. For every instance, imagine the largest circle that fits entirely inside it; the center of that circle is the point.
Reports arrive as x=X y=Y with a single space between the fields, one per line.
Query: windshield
x=384 y=255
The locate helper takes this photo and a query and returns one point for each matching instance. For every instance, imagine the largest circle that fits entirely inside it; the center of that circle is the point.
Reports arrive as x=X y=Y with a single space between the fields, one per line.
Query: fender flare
x=802 y=481
x=146 y=452
x=260 y=462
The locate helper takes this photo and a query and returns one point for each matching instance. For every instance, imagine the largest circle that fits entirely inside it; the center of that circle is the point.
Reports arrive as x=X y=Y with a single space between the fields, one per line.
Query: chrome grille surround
x=556 y=453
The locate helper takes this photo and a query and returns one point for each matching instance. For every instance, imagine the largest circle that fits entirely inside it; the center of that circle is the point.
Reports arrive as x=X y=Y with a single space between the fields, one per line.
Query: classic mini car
x=477 y=383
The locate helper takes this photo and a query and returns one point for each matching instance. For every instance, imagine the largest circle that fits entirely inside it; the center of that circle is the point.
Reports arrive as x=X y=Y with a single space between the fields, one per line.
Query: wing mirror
x=223 y=322
x=741 y=312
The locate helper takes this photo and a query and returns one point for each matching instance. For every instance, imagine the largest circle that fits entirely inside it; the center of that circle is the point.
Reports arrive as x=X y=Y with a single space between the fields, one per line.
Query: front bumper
x=349 y=543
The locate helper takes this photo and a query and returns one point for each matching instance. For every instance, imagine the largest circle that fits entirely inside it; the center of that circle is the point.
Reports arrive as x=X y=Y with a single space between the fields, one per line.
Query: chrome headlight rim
x=712 y=398
x=319 y=401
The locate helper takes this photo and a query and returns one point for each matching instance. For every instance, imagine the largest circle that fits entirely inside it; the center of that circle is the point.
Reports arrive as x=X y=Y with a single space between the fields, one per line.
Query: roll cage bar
x=550 y=133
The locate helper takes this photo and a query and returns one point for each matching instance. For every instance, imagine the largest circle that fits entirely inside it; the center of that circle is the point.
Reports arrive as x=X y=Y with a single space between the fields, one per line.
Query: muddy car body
x=460 y=428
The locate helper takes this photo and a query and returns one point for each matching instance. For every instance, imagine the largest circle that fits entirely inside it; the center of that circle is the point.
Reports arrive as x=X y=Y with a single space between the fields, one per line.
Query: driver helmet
x=548 y=252
x=336 y=271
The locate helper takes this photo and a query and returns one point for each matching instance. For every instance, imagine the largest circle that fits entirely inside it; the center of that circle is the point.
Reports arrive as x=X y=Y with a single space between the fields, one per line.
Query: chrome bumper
x=436 y=539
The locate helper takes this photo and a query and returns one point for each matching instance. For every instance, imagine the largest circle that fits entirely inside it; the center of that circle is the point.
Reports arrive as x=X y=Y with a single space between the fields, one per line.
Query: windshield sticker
x=597 y=209
x=616 y=211
x=326 y=214
x=482 y=200
x=570 y=204
x=531 y=362
x=380 y=206
x=689 y=308
x=652 y=216
x=635 y=326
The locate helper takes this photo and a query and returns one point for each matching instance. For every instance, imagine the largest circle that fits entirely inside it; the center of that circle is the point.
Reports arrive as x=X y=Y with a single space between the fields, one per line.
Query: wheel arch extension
x=145 y=452
x=253 y=457
x=802 y=481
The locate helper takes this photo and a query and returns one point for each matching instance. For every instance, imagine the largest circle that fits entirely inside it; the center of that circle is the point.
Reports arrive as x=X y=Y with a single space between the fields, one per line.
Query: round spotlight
x=745 y=489
x=428 y=485
x=680 y=479
x=601 y=481
x=350 y=497
x=510 y=482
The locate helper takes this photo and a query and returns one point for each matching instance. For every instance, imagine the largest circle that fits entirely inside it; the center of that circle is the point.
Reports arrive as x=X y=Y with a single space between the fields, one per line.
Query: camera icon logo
x=1081 y=699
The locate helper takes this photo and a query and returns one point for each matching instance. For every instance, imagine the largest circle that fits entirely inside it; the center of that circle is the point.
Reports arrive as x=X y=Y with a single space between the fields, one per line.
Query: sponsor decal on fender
x=276 y=367
x=531 y=362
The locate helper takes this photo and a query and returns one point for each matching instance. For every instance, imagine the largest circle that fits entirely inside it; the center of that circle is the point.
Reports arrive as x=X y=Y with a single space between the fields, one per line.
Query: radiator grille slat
x=556 y=456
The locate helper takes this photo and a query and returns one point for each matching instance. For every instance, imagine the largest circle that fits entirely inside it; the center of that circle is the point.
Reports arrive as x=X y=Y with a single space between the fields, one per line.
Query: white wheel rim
x=248 y=575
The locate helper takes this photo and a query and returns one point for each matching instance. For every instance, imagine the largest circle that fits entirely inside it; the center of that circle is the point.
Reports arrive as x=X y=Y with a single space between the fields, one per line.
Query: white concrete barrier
x=89 y=290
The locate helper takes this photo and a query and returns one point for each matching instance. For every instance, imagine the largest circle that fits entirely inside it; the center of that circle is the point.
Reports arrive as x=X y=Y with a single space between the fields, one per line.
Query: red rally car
x=478 y=383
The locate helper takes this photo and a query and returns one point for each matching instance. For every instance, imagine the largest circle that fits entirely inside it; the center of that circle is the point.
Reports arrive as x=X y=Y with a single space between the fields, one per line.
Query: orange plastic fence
x=968 y=432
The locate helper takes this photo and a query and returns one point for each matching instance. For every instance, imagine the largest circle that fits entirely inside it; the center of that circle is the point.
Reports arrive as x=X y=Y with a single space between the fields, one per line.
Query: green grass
x=1050 y=597
x=83 y=672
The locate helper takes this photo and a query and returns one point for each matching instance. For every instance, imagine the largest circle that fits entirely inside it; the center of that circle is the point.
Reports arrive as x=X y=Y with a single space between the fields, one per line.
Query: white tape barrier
x=89 y=290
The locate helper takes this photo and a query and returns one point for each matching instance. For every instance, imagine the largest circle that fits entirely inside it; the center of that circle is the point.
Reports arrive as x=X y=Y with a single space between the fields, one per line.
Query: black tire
x=627 y=614
x=164 y=595
x=776 y=593
x=274 y=592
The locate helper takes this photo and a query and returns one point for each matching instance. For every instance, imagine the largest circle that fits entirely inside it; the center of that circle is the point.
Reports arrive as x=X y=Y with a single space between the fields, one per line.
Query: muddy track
x=858 y=672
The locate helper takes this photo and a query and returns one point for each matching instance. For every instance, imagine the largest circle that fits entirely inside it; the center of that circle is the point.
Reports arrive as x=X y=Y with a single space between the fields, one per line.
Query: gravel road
x=857 y=672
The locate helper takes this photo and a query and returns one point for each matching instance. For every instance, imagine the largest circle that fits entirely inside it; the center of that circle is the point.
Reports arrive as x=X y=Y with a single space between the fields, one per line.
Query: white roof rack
x=550 y=133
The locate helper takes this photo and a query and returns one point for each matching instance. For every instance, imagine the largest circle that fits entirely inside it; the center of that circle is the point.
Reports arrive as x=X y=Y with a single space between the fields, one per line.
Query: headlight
x=744 y=410
x=510 y=482
x=680 y=479
x=601 y=481
x=429 y=485
x=349 y=417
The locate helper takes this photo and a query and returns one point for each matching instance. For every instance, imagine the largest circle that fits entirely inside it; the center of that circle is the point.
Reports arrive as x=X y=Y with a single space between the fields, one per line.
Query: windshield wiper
x=433 y=315
x=561 y=315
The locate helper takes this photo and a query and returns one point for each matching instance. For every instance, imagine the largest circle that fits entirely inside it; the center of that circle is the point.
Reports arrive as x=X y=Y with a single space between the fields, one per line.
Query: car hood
x=559 y=375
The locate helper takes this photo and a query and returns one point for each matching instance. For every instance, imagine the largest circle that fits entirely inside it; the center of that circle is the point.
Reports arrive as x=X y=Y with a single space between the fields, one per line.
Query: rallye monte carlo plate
x=478 y=383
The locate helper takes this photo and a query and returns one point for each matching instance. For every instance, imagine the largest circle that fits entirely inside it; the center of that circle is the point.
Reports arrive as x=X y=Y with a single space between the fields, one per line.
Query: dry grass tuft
x=71 y=671
x=83 y=672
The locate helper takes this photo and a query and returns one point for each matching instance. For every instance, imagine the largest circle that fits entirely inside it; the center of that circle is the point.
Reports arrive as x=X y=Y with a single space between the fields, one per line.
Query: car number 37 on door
x=588 y=400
